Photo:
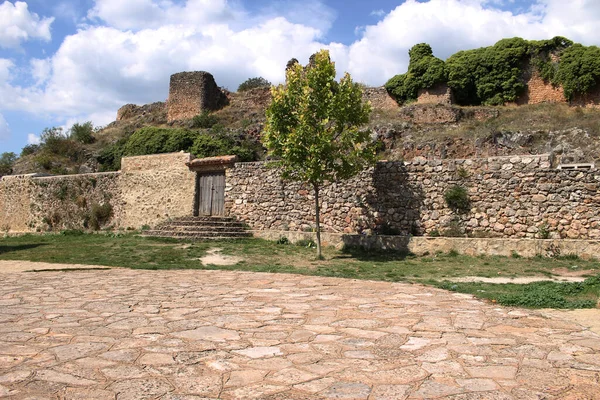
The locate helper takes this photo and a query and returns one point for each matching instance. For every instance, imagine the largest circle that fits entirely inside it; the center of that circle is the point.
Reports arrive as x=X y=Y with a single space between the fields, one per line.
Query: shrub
x=544 y=231
x=578 y=70
x=424 y=71
x=100 y=214
x=205 y=120
x=180 y=139
x=253 y=83
x=457 y=198
x=110 y=156
x=148 y=140
x=283 y=240
x=82 y=133
x=30 y=149
x=7 y=160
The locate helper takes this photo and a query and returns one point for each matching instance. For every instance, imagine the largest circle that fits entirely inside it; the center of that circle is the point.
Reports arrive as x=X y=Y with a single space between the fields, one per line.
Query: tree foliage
x=579 y=70
x=424 y=71
x=313 y=127
x=495 y=75
x=216 y=141
x=253 y=83
x=7 y=160
x=82 y=133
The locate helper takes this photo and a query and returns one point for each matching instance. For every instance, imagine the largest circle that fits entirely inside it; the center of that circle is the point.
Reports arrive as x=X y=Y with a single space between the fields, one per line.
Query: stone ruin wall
x=380 y=99
x=191 y=93
x=511 y=197
x=438 y=94
x=148 y=190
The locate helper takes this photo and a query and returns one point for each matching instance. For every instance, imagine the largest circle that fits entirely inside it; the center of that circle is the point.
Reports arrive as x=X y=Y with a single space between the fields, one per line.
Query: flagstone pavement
x=190 y=334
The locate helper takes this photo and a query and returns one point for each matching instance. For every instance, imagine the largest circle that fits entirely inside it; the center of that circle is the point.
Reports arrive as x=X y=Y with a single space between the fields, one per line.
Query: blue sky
x=64 y=61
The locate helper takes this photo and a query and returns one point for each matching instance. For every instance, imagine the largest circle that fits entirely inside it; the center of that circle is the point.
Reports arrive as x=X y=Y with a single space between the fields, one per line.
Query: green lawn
x=131 y=251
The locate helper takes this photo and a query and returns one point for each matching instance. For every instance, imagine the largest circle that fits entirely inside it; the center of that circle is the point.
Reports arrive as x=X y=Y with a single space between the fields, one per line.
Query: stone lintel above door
x=209 y=164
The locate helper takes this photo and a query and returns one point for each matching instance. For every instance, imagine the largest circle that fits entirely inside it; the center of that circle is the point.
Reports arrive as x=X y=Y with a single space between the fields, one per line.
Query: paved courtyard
x=127 y=334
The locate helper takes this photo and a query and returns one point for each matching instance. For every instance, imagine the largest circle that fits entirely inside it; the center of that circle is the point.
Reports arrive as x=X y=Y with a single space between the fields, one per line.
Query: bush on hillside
x=424 y=71
x=253 y=83
x=205 y=120
x=147 y=140
x=579 y=70
x=495 y=75
x=82 y=133
x=30 y=149
x=217 y=141
x=7 y=160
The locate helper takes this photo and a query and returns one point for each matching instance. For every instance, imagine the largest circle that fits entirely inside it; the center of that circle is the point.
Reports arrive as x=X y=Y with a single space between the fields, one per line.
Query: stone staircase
x=200 y=228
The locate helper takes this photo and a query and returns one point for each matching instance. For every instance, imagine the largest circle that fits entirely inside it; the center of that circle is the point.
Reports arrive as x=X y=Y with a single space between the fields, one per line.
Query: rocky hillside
x=419 y=130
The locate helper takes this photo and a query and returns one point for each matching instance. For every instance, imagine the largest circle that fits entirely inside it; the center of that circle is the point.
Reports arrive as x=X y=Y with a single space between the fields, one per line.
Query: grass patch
x=533 y=295
x=131 y=251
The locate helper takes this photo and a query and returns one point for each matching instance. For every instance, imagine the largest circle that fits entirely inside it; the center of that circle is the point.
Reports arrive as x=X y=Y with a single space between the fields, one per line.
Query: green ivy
x=494 y=75
x=424 y=71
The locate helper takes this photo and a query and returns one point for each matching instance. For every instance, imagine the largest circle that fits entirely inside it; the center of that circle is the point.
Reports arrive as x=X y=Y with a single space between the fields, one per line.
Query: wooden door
x=211 y=193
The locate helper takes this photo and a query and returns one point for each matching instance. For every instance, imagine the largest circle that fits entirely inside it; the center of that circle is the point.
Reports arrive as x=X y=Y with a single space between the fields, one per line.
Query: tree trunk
x=317 y=214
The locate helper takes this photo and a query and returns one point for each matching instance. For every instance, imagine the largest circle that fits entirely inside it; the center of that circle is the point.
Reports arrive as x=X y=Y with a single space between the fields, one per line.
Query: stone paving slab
x=183 y=334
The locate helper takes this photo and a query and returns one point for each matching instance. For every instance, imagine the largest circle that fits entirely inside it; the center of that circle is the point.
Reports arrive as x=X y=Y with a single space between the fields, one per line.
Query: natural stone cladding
x=191 y=93
x=511 y=197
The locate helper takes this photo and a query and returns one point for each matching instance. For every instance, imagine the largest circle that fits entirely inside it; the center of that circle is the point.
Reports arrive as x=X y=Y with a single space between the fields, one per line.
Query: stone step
x=203 y=223
x=199 y=228
x=198 y=235
x=206 y=218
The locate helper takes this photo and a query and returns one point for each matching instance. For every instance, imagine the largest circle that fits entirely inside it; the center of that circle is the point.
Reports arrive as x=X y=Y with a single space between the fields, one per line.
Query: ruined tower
x=191 y=93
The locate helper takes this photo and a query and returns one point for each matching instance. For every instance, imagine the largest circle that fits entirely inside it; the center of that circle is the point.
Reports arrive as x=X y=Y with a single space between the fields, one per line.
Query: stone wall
x=155 y=188
x=191 y=93
x=148 y=190
x=438 y=94
x=380 y=99
x=423 y=245
x=511 y=197
x=29 y=203
x=540 y=91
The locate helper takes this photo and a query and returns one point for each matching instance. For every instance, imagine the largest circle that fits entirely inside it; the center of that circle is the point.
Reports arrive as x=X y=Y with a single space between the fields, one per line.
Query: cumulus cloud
x=128 y=53
x=33 y=139
x=4 y=129
x=18 y=25
x=149 y=14
x=102 y=68
x=453 y=25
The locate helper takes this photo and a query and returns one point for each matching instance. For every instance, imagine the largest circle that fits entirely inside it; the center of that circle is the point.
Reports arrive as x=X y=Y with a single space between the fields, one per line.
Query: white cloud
x=5 y=66
x=377 y=13
x=40 y=70
x=453 y=25
x=4 y=129
x=99 y=68
x=150 y=14
x=102 y=68
x=33 y=139
x=18 y=25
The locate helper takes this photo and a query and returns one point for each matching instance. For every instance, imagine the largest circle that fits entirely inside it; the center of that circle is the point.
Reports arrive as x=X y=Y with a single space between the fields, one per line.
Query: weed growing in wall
x=457 y=198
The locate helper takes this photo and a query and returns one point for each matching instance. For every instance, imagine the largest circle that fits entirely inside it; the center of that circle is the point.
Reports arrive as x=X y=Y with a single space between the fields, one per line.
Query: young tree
x=313 y=127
